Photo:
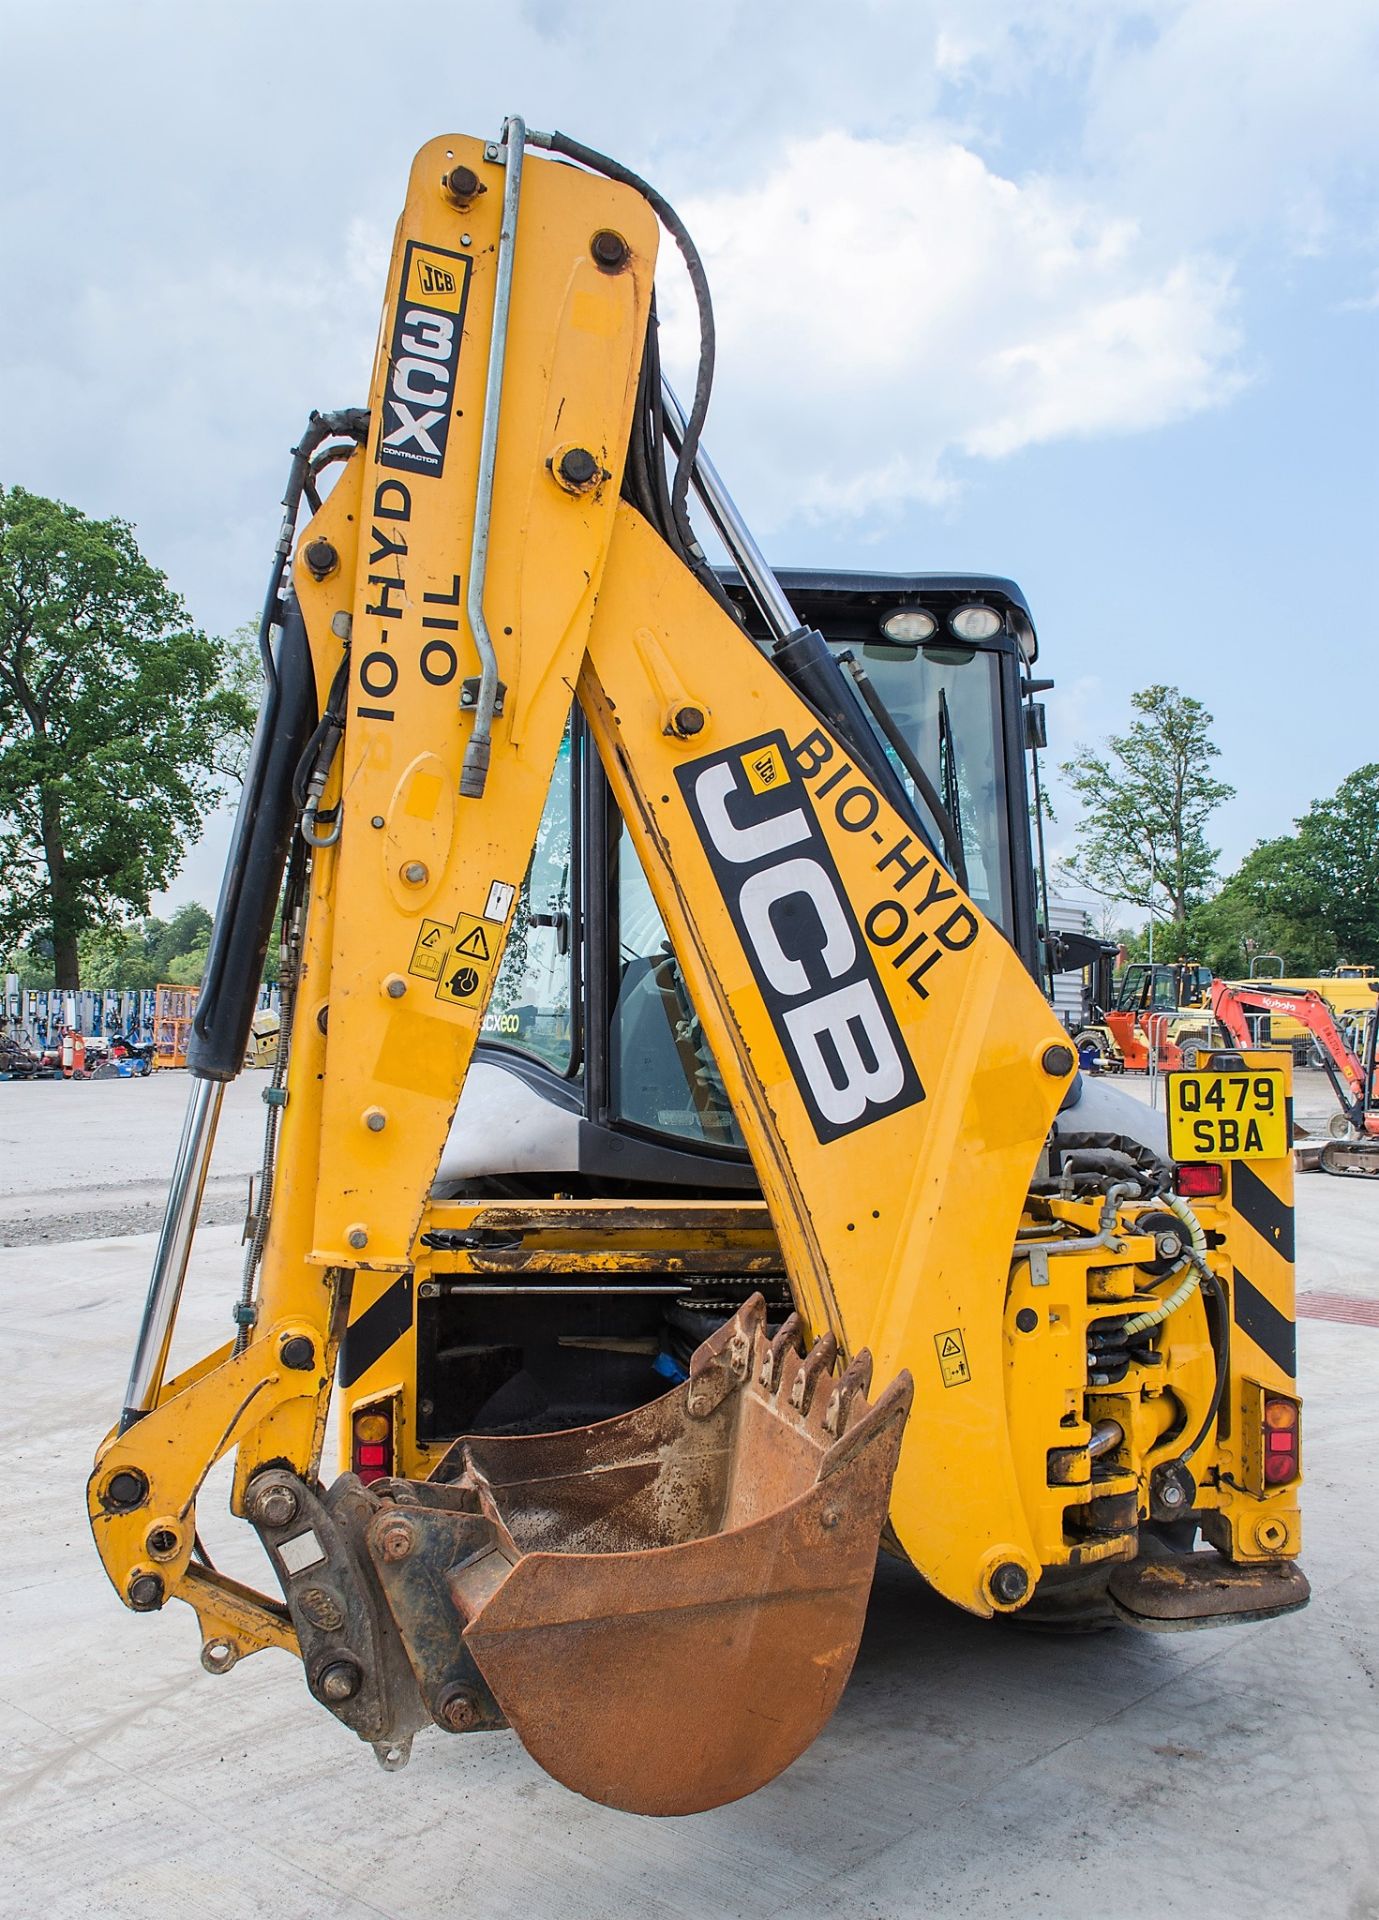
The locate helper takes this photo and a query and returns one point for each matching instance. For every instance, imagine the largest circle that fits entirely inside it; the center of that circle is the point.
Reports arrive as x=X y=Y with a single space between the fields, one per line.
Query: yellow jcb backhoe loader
x=670 y=1149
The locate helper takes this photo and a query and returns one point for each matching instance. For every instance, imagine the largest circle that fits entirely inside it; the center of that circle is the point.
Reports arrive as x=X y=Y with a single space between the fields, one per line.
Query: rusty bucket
x=666 y=1606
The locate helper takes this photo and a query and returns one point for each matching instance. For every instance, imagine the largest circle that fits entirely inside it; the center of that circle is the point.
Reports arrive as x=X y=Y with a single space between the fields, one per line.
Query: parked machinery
x=1354 y=1146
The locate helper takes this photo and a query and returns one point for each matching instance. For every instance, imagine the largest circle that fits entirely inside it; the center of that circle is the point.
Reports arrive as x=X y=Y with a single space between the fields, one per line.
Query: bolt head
x=127 y=1489
x=462 y=185
x=378 y=821
x=415 y=873
x=396 y=1538
x=146 y=1592
x=1172 y=1495
x=1009 y=1583
x=338 y=1682
x=375 y=1119
x=1058 y=1060
x=610 y=250
x=395 y=986
x=578 y=467
x=274 y=1506
x=358 y=1238
x=458 y=1709
x=689 y=721
x=321 y=558
x=298 y=1353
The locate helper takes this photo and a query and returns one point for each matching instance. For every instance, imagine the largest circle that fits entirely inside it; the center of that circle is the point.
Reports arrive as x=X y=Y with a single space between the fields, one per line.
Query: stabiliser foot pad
x=1183 y=1591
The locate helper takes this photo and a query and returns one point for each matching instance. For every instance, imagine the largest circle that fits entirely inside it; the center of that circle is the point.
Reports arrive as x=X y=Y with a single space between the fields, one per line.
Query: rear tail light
x=371 y=1441
x=1280 y=1440
x=1199 y=1180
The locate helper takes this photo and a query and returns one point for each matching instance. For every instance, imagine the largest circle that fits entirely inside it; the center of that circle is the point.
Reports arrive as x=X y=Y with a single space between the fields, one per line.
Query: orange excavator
x=1353 y=1149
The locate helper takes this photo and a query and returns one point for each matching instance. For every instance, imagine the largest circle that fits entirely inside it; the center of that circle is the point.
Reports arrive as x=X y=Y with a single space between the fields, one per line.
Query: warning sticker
x=952 y=1358
x=429 y=952
x=500 y=897
x=464 y=972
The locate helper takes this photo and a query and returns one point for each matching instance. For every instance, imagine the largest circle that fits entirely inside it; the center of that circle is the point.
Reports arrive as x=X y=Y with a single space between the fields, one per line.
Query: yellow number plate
x=1226 y=1116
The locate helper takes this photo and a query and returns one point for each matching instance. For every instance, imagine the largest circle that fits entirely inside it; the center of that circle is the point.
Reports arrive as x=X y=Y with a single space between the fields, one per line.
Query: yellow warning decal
x=765 y=768
x=464 y=973
x=428 y=955
x=952 y=1357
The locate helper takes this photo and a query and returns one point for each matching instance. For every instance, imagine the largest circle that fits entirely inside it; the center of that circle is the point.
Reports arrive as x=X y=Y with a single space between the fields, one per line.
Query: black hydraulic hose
x=645 y=483
x=329 y=728
x=263 y=831
x=349 y=423
x=1221 y=1346
x=905 y=754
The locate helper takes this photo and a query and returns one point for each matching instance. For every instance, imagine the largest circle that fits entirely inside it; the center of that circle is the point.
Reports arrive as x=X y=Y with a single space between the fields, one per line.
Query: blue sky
x=1080 y=291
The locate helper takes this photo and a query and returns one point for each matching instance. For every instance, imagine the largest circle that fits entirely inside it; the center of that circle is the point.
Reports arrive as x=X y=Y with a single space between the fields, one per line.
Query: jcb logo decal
x=808 y=956
x=418 y=400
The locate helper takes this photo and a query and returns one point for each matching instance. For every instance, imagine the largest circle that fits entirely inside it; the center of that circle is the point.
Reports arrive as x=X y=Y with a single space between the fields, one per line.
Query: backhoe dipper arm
x=863 y=1012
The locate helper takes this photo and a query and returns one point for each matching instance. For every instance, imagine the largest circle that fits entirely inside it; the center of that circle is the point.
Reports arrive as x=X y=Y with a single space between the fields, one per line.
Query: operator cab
x=592 y=1067
x=1157 y=988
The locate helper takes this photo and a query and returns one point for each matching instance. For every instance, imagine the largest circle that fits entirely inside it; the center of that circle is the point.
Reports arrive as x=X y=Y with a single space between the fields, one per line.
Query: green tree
x=242 y=674
x=1312 y=896
x=1146 y=803
x=1338 y=859
x=114 y=720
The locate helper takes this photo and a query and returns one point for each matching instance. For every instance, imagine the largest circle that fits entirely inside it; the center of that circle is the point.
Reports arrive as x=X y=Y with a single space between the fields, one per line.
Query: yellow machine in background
x=264 y=1029
x=615 y=1473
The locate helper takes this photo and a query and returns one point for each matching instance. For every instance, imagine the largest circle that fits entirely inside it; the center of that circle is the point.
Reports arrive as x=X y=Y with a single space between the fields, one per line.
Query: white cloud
x=886 y=309
x=1234 y=116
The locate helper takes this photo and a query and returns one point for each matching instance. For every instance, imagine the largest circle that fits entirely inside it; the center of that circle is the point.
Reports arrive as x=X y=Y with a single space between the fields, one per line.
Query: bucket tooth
x=672 y=1600
x=724 y=1360
x=790 y=1339
x=855 y=1381
x=816 y=1364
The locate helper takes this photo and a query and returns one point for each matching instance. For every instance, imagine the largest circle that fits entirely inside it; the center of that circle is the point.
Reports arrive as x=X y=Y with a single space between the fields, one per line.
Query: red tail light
x=1280 y=1439
x=371 y=1441
x=1199 y=1180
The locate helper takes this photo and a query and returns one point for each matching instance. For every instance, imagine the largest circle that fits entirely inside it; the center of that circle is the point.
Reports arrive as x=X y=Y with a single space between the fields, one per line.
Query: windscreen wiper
x=909 y=759
x=948 y=773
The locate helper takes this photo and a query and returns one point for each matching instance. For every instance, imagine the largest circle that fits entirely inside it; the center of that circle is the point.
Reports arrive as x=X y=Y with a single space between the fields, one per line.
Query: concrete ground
x=969 y=1771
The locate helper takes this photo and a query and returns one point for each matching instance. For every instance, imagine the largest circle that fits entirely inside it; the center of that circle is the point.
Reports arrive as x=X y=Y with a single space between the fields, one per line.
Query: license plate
x=1226 y=1116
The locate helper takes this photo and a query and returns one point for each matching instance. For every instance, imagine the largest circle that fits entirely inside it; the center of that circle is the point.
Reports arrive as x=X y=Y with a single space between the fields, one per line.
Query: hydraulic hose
x=1194 y=1261
x=1198 y=1274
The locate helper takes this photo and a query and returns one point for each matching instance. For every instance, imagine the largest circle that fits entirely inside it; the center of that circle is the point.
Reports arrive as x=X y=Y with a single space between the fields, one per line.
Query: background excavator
x=1153 y=1012
x=1353 y=1149
x=669 y=1150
